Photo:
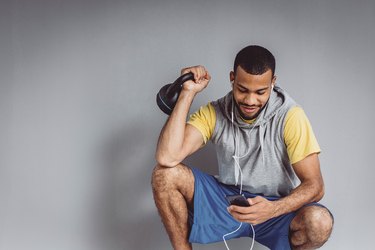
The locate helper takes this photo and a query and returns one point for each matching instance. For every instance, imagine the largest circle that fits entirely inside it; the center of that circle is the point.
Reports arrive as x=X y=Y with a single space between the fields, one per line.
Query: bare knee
x=311 y=228
x=167 y=179
x=160 y=178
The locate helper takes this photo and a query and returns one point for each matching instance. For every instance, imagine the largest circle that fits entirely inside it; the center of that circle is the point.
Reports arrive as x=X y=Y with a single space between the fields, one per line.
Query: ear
x=274 y=78
x=231 y=77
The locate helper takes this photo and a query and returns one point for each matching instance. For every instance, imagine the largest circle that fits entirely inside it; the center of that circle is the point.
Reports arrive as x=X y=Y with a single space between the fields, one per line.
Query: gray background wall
x=79 y=122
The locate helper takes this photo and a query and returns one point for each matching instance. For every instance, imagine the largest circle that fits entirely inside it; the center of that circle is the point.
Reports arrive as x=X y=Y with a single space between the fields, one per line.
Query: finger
x=204 y=72
x=188 y=69
x=185 y=70
x=255 y=200
x=195 y=71
x=251 y=201
x=249 y=218
x=240 y=210
x=201 y=73
x=208 y=76
x=192 y=70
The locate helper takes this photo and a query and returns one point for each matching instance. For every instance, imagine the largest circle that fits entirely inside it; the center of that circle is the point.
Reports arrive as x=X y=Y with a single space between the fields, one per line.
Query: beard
x=245 y=116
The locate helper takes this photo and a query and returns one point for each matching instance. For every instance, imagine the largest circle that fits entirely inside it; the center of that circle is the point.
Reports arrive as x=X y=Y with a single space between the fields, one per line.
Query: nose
x=250 y=99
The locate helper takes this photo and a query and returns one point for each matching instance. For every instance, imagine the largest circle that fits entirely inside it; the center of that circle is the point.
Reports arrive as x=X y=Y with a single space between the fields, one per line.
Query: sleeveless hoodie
x=254 y=155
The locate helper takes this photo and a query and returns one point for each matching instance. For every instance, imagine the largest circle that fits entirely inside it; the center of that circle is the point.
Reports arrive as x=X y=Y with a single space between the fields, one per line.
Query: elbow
x=320 y=192
x=166 y=161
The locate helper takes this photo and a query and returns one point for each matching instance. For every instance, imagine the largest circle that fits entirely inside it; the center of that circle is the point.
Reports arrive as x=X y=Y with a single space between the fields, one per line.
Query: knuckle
x=187 y=69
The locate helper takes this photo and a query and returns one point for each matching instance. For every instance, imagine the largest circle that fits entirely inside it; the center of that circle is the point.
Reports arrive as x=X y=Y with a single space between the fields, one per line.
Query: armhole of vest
x=217 y=113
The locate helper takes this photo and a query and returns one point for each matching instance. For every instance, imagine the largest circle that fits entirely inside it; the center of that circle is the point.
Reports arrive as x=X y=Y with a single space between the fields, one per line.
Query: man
x=266 y=151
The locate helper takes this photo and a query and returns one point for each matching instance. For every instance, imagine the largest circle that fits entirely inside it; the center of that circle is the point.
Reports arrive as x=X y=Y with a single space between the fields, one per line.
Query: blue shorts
x=210 y=219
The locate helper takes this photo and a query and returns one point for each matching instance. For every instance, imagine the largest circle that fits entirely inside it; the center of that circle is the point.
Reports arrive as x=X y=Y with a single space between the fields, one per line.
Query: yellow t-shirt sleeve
x=204 y=120
x=299 y=136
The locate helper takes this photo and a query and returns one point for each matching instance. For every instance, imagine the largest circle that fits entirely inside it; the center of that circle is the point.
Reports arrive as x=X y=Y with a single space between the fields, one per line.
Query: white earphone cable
x=252 y=243
x=238 y=166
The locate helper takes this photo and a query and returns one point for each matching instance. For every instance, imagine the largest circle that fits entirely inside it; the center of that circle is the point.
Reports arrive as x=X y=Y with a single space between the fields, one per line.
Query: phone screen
x=238 y=200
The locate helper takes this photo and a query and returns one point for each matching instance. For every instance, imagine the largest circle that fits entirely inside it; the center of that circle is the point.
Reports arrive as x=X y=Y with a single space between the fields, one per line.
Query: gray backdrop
x=79 y=121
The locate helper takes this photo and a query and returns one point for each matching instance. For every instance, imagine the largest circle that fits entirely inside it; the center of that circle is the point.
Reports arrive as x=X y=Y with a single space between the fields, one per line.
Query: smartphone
x=238 y=200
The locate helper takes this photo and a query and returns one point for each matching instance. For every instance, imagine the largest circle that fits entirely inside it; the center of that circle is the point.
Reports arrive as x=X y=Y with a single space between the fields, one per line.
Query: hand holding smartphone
x=238 y=200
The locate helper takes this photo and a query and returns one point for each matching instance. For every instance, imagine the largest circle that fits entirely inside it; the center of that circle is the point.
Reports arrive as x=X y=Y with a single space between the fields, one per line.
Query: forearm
x=307 y=192
x=169 y=149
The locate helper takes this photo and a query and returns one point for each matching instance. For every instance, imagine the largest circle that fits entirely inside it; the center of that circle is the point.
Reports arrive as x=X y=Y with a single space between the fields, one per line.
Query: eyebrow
x=241 y=86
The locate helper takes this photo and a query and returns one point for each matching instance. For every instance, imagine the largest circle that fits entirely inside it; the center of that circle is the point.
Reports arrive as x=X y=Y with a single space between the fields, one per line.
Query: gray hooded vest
x=255 y=153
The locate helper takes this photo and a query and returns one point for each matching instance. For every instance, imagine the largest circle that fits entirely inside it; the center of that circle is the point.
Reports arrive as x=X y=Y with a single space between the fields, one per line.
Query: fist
x=201 y=78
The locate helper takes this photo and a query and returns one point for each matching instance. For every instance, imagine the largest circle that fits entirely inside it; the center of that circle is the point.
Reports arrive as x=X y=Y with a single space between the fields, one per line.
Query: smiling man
x=266 y=151
x=251 y=92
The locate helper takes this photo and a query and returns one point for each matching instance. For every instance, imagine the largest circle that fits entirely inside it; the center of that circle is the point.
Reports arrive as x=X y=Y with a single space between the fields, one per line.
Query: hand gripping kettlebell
x=168 y=94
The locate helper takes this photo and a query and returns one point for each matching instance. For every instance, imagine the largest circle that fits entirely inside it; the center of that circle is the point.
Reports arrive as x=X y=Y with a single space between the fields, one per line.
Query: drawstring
x=261 y=141
x=236 y=158
x=237 y=167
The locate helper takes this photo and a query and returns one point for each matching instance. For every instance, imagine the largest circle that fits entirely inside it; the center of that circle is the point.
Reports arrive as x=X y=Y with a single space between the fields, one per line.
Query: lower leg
x=310 y=228
x=173 y=190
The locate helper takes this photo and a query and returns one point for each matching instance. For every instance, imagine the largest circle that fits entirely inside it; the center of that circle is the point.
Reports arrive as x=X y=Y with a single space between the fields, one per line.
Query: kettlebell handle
x=176 y=86
x=168 y=94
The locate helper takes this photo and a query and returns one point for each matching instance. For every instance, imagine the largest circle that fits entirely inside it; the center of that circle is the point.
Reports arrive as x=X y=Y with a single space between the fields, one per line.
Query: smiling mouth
x=248 y=109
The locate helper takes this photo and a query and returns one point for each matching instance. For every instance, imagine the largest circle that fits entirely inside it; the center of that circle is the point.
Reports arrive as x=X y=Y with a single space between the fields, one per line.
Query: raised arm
x=177 y=139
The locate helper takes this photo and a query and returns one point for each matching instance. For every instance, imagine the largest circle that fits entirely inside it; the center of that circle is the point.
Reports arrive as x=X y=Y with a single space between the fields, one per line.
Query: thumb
x=255 y=200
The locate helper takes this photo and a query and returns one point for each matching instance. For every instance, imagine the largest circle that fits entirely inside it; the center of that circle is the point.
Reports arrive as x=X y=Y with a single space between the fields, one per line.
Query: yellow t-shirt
x=298 y=134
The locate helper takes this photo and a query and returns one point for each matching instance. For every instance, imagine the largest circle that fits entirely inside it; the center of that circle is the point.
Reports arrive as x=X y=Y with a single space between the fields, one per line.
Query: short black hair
x=255 y=60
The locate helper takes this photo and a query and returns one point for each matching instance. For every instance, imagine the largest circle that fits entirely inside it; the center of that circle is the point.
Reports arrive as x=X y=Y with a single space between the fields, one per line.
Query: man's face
x=251 y=92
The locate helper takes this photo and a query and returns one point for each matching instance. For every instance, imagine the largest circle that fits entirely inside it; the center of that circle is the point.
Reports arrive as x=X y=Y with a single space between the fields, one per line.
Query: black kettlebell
x=168 y=94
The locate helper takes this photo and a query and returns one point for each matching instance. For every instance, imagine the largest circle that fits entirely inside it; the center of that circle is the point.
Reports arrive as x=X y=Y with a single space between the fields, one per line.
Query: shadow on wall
x=131 y=214
x=204 y=159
